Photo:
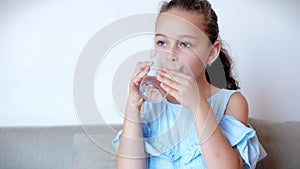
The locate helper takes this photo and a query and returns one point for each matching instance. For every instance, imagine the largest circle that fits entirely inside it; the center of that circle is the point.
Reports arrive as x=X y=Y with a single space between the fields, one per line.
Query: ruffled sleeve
x=244 y=139
x=153 y=146
x=116 y=140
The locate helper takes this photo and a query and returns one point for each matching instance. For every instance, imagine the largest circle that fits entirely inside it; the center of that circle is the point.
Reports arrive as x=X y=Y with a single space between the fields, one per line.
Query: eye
x=161 y=43
x=185 y=44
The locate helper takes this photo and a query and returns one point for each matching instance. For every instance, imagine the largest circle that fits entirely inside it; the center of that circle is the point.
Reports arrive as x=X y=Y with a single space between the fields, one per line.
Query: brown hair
x=214 y=73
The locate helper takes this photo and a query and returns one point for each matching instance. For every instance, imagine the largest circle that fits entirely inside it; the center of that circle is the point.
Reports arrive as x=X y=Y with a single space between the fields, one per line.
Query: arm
x=131 y=149
x=131 y=152
x=216 y=148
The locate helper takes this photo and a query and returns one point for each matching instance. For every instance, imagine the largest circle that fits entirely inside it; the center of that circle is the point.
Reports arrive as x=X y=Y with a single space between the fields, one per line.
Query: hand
x=135 y=100
x=181 y=86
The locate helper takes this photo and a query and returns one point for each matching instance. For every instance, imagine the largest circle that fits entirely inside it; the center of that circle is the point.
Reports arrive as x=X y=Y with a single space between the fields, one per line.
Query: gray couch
x=68 y=147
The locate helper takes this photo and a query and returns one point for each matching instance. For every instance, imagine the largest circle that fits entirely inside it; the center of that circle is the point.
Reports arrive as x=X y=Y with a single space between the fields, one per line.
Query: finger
x=180 y=78
x=170 y=81
x=173 y=92
x=142 y=65
x=140 y=75
x=134 y=85
x=176 y=73
x=172 y=77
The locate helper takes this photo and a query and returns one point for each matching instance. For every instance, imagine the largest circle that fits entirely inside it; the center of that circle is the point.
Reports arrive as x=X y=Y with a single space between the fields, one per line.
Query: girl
x=204 y=124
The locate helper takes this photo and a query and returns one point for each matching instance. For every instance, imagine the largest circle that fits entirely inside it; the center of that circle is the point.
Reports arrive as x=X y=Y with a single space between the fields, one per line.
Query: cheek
x=194 y=66
x=201 y=55
x=197 y=61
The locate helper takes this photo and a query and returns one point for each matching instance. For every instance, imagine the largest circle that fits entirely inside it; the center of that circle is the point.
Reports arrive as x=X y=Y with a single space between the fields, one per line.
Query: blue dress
x=171 y=139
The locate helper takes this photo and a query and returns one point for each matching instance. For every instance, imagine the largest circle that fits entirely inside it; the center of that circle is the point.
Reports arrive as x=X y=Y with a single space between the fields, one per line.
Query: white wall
x=263 y=38
x=40 y=42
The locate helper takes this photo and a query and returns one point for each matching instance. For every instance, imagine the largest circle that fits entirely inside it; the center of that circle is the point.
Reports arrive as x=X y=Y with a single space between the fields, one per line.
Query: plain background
x=41 y=41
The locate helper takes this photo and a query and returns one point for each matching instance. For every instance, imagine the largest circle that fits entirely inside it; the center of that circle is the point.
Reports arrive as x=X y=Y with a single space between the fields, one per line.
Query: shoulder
x=238 y=107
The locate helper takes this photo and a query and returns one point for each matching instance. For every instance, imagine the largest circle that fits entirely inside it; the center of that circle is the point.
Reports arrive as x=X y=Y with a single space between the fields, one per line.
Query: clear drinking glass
x=150 y=88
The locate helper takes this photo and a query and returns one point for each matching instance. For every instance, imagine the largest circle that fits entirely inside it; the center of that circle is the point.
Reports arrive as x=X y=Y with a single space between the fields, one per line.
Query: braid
x=215 y=73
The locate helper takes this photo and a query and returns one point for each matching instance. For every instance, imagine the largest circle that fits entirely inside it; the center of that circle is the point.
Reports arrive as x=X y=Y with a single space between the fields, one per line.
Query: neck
x=206 y=90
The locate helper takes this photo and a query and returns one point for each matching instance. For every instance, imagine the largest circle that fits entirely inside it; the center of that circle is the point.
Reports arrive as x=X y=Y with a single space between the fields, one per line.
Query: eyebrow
x=180 y=36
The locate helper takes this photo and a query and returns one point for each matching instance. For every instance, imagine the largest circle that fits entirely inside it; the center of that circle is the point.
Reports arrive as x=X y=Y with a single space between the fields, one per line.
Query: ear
x=214 y=53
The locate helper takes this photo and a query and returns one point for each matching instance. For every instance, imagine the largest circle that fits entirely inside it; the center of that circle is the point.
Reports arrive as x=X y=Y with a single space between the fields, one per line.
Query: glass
x=150 y=88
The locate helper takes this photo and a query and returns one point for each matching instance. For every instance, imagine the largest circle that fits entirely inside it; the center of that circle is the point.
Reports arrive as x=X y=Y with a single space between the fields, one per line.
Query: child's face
x=179 y=32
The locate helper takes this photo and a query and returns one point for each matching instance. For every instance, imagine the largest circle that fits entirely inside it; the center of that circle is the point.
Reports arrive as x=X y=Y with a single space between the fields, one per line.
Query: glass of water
x=150 y=88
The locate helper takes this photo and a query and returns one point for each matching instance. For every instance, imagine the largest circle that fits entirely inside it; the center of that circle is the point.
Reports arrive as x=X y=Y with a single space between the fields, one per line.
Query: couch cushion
x=36 y=147
x=281 y=141
x=94 y=150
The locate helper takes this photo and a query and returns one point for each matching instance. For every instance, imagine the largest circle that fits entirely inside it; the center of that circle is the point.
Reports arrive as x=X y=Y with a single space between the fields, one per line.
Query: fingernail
x=161 y=71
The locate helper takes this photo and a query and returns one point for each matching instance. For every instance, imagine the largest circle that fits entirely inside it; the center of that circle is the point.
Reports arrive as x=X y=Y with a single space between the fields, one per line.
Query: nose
x=172 y=57
x=171 y=61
